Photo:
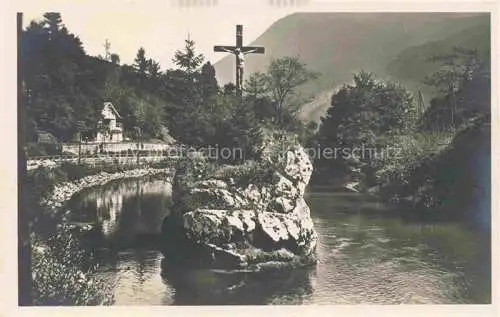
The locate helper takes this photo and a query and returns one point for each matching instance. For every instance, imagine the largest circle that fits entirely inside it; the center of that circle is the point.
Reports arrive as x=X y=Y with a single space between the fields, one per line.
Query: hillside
x=338 y=44
x=411 y=66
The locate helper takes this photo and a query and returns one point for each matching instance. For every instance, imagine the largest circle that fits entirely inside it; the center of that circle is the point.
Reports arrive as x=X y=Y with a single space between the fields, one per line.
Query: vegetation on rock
x=236 y=216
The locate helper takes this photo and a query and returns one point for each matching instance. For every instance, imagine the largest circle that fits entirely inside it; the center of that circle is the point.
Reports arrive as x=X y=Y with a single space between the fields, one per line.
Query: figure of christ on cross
x=239 y=51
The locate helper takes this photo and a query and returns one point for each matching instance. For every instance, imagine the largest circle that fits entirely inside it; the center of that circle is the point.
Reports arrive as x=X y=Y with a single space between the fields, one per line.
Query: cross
x=239 y=51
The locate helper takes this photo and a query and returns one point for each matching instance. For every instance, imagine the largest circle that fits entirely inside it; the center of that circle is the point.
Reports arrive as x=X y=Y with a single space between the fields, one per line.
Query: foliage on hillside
x=430 y=163
x=463 y=79
x=360 y=115
x=65 y=90
x=448 y=176
x=412 y=66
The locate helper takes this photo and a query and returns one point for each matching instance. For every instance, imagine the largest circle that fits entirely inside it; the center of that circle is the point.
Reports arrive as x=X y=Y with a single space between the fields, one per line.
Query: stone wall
x=93 y=148
x=62 y=192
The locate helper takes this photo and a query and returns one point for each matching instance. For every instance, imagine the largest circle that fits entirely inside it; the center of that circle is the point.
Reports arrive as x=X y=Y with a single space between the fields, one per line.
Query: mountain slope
x=412 y=65
x=338 y=44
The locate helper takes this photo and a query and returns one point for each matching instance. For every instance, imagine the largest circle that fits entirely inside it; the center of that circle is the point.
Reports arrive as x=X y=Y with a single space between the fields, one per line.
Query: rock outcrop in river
x=249 y=216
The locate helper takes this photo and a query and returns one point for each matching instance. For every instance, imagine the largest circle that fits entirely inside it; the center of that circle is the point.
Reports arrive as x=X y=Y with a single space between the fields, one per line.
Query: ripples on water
x=364 y=257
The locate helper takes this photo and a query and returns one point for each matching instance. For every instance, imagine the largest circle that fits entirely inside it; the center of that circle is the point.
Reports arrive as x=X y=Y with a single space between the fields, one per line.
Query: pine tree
x=188 y=120
x=140 y=61
x=53 y=23
x=188 y=60
x=153 y=69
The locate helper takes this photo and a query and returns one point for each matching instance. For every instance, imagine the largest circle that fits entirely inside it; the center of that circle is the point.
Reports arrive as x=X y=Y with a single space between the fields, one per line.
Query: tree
x=207 y=80
x=148 y=117
x=257 y=97
x=115 y=59
x=362 y=114
x=107 y=53
x=153 y=69
x=209 y=89
x=188 y=115
x=283 y=76
x=229 y=89
x=25 y=282
x=368 y=108
x=140 y=61
x=52 y=21
x=256 y=85
x=275 y=88
x=187 y=60
x=455 y=71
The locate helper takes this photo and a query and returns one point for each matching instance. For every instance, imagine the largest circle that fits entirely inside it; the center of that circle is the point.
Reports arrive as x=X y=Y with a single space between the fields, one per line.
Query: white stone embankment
x=63 y=192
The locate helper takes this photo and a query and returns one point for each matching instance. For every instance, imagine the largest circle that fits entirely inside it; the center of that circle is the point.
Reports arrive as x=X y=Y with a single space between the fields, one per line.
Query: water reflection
x=366 y=256
x=135 y=277
x=219 y=287
x=124 y=213
x=374 y=258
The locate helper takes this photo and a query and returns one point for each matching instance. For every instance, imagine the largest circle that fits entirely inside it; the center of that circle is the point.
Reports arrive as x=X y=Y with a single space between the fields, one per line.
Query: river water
x=367 y=255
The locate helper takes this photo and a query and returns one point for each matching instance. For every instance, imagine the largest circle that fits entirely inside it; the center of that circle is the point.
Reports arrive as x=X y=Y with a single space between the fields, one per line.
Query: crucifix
x=239 y=51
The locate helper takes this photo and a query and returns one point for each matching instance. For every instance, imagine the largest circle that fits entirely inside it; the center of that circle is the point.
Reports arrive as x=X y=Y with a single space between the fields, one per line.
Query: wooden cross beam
x=239 y=51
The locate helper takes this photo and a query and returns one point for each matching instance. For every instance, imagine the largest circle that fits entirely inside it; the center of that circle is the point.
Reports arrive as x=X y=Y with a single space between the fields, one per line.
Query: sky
x=162 y=27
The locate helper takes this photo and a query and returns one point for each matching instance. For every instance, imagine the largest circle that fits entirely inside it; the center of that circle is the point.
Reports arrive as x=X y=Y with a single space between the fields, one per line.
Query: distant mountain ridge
x=339 y=44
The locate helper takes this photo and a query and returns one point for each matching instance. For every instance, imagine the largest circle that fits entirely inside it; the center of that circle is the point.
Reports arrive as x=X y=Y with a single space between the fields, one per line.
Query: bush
x=59 y=279
x=74 y=171
x=251 y=172
x=414 y=150
x=43 y=179
x=164 y=163
x=35 y=149
x=438 y=175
